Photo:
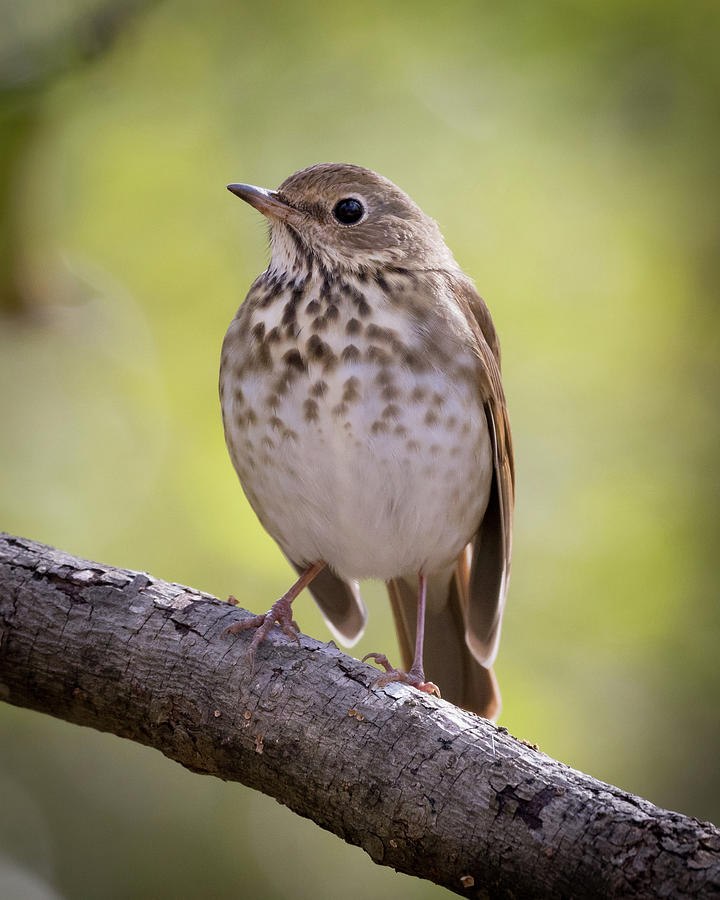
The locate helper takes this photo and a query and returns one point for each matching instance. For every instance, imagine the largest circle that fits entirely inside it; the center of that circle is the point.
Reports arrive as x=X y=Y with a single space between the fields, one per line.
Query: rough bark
x=422 y=786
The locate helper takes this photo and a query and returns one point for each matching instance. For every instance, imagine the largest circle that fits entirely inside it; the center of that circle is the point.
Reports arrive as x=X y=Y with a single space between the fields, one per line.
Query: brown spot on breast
x=238 y=396
x=312 y=308
x=451 y=422
x=289 y=313
x=389 y=392
x=294 y=360
x=273 y=336
x=351 y=390
x=269 y=443
x=350 y=289
x=310 y=410
x=348 y=427
x=332 y=312
x=391 y=411
x=269 y=291
x=319 y=323
x=340 y=410
x=434 y=449
x=418 y=394
x=330 y=362
x=319 y=389
x=258 y=331
x=431 y=417
x=272 y=401
x=354 y=326
x=292 y=330
x=281 y=384
x=262 y=357
x=289 y=435
x=317 y=348
x=455 y=451
x=327 y=284
x=379 y=427
x=350 y=354
x=401 y=431
x=378 y=355
x=413 y=446
x=438 y=399
x=276 y=422
x=363 y=307
x=384 y=376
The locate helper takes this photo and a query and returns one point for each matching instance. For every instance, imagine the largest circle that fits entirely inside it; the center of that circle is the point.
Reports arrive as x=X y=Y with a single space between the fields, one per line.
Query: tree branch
x=420 y=785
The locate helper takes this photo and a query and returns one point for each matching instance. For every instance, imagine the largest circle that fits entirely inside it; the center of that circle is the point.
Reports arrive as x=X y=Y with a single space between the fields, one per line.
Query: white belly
x=371 y=504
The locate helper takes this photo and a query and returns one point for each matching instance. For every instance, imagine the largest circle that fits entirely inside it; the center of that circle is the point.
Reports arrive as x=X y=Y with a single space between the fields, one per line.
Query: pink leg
x=416 y=675
x=280 y=612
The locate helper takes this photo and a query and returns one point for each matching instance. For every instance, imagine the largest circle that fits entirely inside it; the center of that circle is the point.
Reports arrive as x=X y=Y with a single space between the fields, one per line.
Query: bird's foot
x=280 y=612
x=415 y=677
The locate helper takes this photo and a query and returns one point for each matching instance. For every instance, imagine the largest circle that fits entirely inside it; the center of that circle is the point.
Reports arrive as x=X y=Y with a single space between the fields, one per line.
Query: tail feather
x=341 y=605
x=447 y=658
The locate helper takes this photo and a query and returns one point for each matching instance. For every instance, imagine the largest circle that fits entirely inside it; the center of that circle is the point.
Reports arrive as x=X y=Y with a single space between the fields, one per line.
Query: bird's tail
x=447 y=658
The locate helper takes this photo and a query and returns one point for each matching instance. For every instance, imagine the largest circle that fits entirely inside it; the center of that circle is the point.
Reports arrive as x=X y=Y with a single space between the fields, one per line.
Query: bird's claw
x=379 y=659
x=279 y=613
x=413 y=678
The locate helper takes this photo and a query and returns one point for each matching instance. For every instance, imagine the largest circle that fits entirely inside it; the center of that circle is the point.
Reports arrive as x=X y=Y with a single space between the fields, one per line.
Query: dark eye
x=348 y=211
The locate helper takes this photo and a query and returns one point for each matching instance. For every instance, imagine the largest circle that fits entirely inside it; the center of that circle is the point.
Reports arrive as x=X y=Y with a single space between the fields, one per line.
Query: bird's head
x=346 y=217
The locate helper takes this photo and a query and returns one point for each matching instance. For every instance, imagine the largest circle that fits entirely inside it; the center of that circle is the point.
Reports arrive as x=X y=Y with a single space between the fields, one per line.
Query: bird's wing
x=492 y=544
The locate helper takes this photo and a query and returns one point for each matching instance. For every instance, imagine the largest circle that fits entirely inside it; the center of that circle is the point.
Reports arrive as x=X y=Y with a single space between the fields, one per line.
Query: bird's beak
x=265 y=201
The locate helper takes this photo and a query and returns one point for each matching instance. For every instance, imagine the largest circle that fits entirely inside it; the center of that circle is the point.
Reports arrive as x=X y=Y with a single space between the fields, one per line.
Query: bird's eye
x=348 y=211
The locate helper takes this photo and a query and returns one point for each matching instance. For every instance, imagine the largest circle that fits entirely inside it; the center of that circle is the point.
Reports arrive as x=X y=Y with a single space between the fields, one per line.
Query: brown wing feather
x=492 y=545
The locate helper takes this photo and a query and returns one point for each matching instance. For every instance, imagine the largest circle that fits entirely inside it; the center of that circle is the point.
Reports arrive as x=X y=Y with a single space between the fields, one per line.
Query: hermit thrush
x=365 y=416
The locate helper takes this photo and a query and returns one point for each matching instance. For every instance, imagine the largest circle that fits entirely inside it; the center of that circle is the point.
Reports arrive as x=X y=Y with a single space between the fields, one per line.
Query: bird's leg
x=280 y=612
x=416 y=676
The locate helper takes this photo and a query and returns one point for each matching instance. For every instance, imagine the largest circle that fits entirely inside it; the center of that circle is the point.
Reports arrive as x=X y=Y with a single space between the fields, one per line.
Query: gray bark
x=420 y=785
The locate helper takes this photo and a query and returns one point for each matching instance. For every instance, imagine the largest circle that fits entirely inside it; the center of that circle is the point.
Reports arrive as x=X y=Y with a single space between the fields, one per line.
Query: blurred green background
x=569 y=152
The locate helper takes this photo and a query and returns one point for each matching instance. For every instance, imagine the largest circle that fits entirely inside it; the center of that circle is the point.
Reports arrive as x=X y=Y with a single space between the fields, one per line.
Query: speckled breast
x=358 y=435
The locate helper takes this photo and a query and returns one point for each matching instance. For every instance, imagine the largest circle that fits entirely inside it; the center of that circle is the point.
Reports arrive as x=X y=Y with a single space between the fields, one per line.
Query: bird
x=364 y=414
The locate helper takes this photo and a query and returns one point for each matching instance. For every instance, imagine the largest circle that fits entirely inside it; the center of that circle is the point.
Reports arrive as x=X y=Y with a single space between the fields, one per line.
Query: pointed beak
x=265 y=201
